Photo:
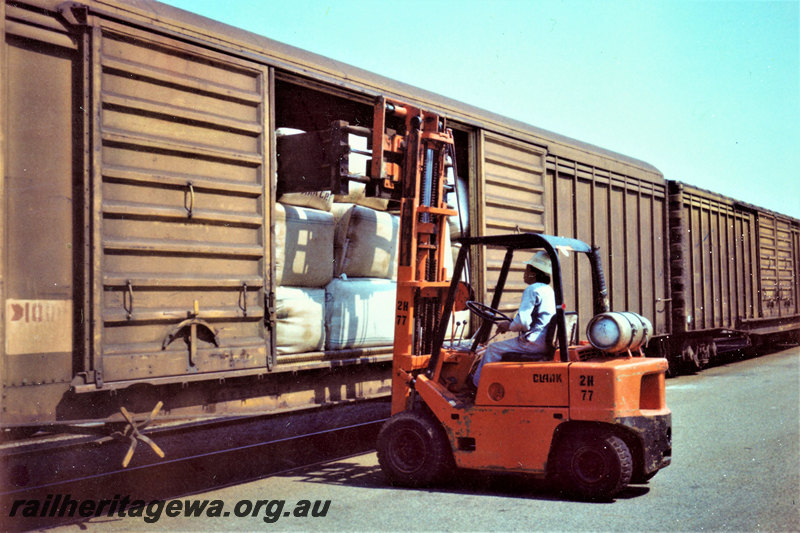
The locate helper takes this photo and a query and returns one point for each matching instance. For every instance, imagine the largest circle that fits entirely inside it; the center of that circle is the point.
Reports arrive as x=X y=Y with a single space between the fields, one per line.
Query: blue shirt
x=535 y=311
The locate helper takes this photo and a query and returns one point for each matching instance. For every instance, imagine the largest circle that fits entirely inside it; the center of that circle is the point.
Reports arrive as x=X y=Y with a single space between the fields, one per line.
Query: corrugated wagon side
x=580 y=191
x=146 y=258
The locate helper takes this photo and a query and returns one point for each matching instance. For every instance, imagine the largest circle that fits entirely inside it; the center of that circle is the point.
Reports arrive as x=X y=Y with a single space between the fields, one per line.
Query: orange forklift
x=592 y=419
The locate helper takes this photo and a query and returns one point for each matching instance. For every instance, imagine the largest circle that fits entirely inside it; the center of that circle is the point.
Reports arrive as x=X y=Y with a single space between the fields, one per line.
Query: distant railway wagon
x=164 y=241
x=734 y=270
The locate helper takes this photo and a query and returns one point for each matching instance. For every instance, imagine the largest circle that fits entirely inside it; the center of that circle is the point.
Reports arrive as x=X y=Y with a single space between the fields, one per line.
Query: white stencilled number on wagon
x=38 y=326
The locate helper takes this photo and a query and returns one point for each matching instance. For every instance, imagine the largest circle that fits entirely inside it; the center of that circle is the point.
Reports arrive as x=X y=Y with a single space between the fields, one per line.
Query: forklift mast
x=410 y=167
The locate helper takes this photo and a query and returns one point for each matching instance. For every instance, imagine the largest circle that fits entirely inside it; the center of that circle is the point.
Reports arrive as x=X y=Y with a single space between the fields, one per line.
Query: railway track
x=198 y=457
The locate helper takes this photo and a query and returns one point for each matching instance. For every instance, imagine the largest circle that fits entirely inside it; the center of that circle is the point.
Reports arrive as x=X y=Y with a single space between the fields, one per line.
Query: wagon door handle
x=127 y=299
x=188 y=199
x=243 y=298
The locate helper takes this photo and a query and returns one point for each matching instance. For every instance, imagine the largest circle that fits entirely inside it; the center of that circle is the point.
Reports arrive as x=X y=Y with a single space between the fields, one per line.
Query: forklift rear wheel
x=413 y=450
x=594 y=467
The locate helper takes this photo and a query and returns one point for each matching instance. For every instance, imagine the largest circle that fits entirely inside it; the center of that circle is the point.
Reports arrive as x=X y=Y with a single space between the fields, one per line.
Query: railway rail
x=198 y=456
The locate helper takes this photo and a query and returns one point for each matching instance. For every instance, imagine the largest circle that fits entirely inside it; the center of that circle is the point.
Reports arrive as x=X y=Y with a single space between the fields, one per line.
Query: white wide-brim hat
x=541 y=261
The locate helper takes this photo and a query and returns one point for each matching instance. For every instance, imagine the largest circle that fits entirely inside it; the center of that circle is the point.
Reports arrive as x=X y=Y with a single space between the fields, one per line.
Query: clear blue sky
x=708 y=92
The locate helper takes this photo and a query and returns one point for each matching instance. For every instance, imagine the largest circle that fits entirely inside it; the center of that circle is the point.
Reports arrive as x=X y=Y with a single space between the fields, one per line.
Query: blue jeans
x=516 y=349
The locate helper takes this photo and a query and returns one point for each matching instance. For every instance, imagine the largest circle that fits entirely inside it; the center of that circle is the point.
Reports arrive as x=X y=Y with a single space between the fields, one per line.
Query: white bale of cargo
x=299 y=319
x=303 y=246
x=366 y=242
x=359 y=313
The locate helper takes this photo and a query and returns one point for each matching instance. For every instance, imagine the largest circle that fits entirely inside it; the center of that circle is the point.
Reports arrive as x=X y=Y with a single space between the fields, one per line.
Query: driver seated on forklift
x=537 y=308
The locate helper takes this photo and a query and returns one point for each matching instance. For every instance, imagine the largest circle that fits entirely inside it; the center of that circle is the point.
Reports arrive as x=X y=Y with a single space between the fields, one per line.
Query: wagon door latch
x=133 y=434
x=192 y=329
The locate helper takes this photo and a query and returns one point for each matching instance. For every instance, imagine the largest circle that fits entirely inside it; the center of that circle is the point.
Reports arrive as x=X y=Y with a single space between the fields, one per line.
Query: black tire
x=591 y=467
x=413 y=450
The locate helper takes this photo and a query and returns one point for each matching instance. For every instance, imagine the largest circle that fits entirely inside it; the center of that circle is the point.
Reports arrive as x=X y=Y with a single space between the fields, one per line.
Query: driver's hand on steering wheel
x=503 y=326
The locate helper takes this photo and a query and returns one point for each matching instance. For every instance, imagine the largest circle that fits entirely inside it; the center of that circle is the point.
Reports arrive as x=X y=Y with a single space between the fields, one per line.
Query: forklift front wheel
x=413 y=450
x=593 y=467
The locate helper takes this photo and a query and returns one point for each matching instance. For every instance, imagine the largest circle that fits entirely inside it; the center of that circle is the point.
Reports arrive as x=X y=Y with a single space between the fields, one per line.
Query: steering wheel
x=486 y=312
